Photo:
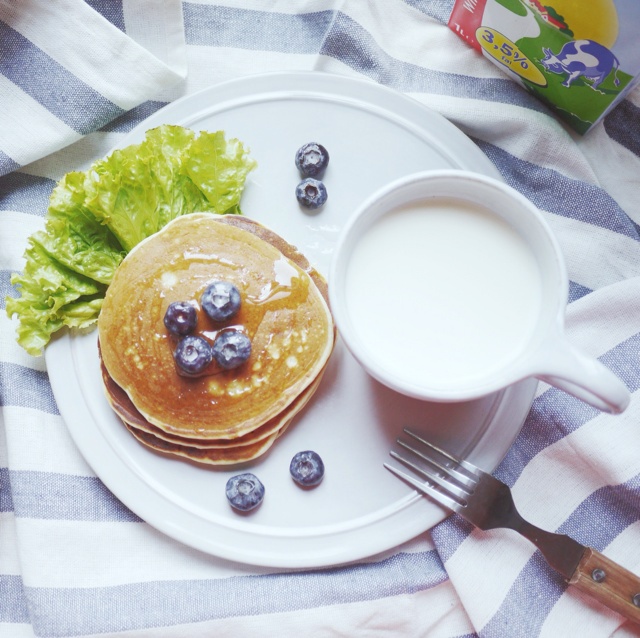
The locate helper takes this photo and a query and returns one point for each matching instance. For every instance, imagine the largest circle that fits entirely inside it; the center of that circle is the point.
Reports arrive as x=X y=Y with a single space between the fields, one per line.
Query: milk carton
x=579 y=57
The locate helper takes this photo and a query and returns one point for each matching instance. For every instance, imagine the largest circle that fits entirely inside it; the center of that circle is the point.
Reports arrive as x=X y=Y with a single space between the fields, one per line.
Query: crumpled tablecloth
x=75 y=77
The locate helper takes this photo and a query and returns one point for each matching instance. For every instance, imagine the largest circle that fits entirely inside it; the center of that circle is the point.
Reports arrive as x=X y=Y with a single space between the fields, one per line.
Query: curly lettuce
x=95 y=217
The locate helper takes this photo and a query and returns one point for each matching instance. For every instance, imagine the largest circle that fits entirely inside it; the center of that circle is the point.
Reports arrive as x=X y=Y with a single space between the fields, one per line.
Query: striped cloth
x=75 y=77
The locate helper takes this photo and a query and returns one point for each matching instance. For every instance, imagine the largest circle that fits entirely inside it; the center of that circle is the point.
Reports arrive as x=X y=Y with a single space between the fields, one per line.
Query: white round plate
x=373 y=135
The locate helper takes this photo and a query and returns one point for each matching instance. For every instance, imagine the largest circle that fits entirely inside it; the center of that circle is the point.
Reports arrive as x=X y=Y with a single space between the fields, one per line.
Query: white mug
x=449 y=285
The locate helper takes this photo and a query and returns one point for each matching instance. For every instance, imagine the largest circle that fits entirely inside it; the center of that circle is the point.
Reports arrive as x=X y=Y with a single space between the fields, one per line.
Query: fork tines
x=448 y=480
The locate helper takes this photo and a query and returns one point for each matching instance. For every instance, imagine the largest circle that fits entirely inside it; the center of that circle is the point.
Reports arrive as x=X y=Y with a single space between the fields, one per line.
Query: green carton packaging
x=580 y=57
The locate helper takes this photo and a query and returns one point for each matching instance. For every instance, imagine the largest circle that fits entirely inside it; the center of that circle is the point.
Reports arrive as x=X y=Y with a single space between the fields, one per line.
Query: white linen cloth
x=74 y=78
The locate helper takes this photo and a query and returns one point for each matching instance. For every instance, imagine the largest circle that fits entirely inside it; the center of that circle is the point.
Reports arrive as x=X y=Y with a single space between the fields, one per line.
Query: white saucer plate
x=373 y=136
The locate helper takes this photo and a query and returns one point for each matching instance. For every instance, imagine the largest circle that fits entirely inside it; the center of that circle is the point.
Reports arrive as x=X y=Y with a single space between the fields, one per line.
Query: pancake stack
x=221 y=416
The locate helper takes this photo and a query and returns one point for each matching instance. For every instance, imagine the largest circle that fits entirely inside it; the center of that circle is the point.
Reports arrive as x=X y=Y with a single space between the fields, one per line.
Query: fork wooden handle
x=609 y=583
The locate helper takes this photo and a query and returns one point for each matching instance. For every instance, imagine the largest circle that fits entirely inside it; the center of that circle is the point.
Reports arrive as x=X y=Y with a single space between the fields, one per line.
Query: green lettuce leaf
x=47 y=288
x=218 y=168
x=96 y=217
x=73 y=236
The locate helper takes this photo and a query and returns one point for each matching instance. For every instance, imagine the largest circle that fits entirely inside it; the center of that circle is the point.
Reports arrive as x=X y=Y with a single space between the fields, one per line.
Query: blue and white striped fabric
x=75 y=76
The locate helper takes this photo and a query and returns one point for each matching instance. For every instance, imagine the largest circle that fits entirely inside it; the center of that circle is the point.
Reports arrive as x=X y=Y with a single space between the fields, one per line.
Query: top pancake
x=283 y=311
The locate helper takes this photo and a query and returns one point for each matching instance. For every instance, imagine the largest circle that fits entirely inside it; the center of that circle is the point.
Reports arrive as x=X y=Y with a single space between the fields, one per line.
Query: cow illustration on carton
x=582 y=58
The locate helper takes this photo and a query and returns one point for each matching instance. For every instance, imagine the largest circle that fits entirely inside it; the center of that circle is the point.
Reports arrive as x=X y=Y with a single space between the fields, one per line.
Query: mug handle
x=584 y=377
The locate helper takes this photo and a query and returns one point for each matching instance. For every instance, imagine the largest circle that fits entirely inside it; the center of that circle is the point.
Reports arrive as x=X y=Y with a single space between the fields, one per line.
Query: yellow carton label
x=501 y=49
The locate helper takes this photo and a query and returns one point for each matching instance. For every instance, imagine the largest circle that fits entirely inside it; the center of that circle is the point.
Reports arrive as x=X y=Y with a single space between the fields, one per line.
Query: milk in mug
x=442 y=291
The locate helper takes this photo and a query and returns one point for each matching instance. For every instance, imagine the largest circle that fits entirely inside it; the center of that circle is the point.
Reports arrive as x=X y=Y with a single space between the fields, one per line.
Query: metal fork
x=487 y=503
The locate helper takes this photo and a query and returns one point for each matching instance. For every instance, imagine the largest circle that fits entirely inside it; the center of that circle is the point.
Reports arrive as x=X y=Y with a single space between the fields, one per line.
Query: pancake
x=212 y=456
x=122 y=405
x=230 y=453
x=129 y=414
x=225 y=415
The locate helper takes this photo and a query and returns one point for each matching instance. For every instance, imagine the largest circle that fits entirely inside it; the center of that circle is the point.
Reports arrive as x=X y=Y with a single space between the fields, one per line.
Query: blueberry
x=180 y=318
x=231 y=348
x=245 y=491
x=312 y=159
x=311 y=193
x=220 y=300
x=307 y=468
x=193 y=354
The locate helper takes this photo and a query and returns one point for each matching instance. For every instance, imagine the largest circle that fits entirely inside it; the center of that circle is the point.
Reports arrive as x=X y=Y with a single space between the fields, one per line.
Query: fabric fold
x=66 y=71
